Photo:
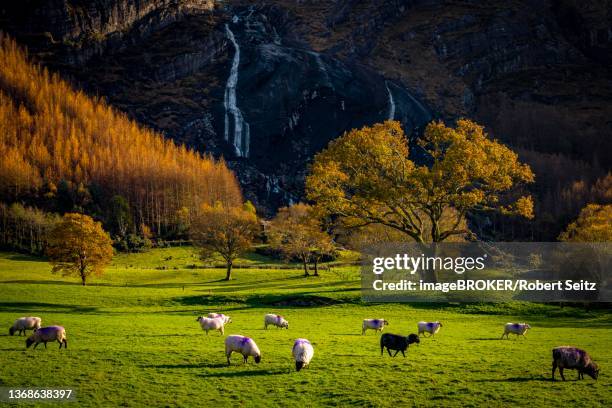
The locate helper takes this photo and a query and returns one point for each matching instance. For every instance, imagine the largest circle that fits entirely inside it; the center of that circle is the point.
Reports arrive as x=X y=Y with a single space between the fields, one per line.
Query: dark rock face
x=535 y=73
x=76 y=30
x=167 y=63
x=296 y=100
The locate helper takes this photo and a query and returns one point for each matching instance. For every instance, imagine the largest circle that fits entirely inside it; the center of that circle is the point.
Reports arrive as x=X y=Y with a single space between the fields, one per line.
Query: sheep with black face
x=243 y=345
x=373 y=324
x=573 y=358
x=302 y=353
x=428 y=327
x=25 y=323
x=47 y=334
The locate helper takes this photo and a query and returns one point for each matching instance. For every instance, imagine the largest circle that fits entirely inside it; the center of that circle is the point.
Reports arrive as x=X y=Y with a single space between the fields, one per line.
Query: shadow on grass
x=305 y=299
x=514 y=379
x=305 y=283
x=186 y=365
x=228 y=286
x=91 y=284
x=24 y=257
x=602 y=322
x=166 y=335
x=485 y=339
x=43 y=282
x=19 y=307
x=245 y=373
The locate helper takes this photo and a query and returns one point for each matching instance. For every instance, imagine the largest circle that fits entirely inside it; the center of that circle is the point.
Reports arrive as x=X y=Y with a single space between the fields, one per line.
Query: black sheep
x=397 y=343
x=573 y=358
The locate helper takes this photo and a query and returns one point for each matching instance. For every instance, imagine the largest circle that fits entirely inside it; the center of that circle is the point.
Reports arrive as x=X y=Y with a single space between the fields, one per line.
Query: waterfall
x=391 y=102
x=418 y=104
x=240 y=137
x=321 y=68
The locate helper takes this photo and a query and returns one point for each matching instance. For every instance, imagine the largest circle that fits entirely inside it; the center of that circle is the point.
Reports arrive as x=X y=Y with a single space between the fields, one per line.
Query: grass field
x=133 y=340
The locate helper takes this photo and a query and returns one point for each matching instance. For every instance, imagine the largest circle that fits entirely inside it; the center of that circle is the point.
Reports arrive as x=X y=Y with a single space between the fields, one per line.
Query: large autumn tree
x=224 y=231
x=297 y=233
x=594 y=224
x=79 y=246
x=368 y=177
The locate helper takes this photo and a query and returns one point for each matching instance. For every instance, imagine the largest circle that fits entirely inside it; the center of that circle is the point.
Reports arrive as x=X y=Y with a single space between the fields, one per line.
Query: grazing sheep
x=25 y=323
x=520 y=329
x=302 y=353
x=275 y=320
x=243 y=345
x=226 y=319
x=373 y=324
x=211 y=324
x=46 y=334
x=397 y=343
x=573 y=358
x=429 y=327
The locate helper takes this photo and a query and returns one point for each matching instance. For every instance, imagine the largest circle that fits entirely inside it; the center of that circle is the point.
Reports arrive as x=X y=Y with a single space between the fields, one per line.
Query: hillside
x=69 y=152
x=536 y=74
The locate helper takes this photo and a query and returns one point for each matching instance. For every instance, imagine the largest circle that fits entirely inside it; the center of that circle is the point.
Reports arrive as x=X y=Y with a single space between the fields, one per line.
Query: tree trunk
x=305 y=267
x=228 y=274
x=433 y=273
x=316 y=267
x=82 y=279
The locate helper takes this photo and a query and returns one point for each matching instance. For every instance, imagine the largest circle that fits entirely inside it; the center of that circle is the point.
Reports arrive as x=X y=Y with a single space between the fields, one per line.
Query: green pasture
x=133 y=340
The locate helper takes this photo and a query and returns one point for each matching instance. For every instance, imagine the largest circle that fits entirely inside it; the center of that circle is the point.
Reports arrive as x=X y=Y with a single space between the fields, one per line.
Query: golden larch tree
x=594 y=224
x=52 y=133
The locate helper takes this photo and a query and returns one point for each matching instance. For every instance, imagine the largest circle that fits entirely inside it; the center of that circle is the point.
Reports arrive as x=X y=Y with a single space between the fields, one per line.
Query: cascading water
x=240 y=136
x=321 y=68
x=418 y=104
x=391 y=102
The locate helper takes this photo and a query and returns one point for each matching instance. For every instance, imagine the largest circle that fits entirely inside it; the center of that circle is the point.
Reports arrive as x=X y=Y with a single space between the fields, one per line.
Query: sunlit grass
x=133 y=340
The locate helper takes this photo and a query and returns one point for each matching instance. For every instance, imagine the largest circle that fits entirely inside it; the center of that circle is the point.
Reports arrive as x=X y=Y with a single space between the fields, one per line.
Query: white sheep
x=46 y=334
x=302 y=353
x=373 y=324
x=429 y=327
x=226 y=318
x=275 y=320
x=211 y=324
x=243 y=345
x=520 y=329
x=25 y=323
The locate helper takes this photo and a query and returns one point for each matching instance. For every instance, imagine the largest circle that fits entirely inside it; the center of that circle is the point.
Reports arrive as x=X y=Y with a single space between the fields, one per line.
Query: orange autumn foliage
x=50 y=132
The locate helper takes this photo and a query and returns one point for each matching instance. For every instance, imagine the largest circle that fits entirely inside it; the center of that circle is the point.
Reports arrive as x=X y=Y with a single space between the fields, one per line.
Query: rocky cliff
x=75 y=30
x=267 y=84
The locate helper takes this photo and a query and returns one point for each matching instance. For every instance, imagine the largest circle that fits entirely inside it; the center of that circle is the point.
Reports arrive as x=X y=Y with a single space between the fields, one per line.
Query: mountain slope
x=536 y=74
x=60 y=145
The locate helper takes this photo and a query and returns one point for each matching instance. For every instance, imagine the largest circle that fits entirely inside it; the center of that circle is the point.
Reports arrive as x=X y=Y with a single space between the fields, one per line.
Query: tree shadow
x=485 y=339
x=44 y=282
x=24 y=257
x=37 y=307
x=515 y=379
x=165 y=335
x=305 y=299
x=245 y=373
x=186 y=365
